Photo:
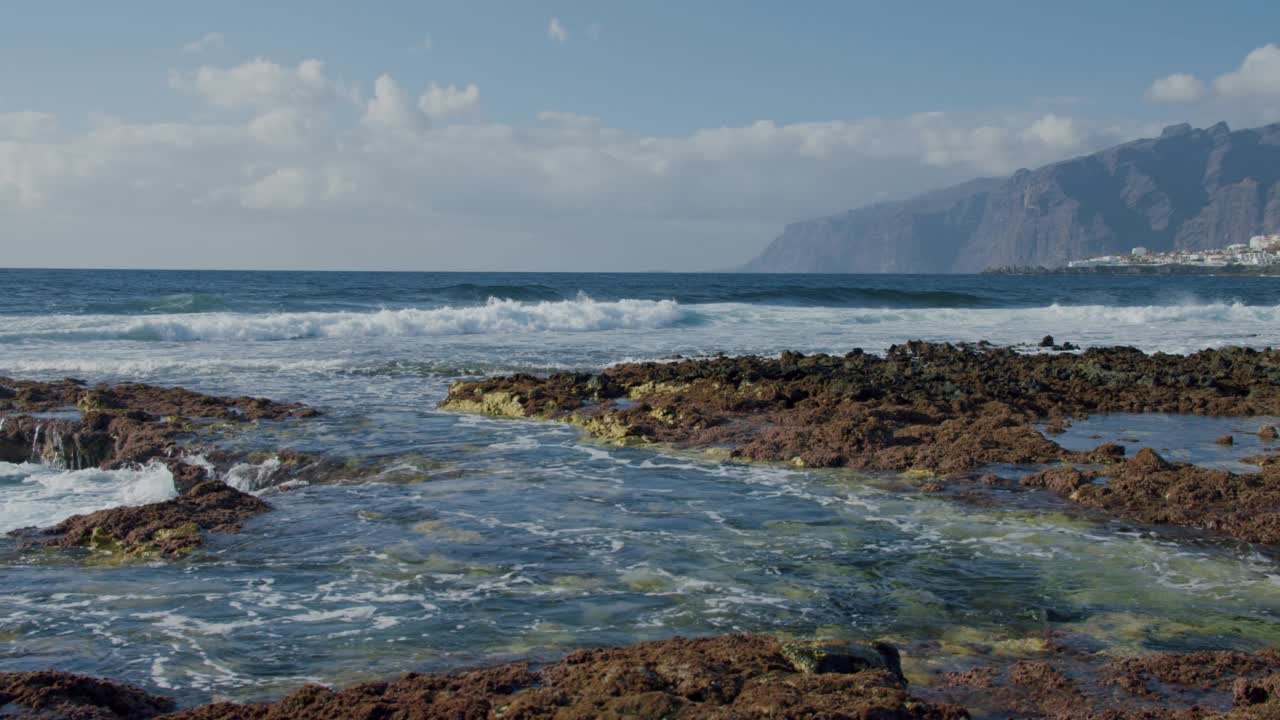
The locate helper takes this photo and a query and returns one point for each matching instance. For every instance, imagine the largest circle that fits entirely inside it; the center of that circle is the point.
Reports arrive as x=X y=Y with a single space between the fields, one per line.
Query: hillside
x=1189 y=188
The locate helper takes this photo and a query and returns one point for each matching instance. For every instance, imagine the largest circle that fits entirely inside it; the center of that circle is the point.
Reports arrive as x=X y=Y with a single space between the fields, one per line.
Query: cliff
x=1189 y=188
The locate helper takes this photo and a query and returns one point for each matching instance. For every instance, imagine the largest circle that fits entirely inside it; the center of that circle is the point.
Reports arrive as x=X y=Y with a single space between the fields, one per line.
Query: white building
x=1140 y=252
x=1264 y=242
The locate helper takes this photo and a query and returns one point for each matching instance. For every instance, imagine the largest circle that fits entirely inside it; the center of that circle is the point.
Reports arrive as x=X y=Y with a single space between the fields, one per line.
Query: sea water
x=477 y=540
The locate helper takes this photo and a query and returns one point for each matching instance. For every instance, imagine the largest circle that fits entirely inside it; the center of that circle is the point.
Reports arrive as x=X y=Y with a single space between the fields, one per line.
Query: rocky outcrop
x=131 y=424
x=933 y=409
x=54 y=694
x=738 y=676
x=1149 y=489
x=1187 y=189
x=36 y=396
x=166 y=529
x=117 y=426
x=734 y=676
x=1066 y=684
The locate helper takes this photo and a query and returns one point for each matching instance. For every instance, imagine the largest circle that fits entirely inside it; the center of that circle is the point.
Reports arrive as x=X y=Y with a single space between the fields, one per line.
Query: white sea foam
x=251 y=477
x=496 y=316
x=45 y=495
x=642 y=328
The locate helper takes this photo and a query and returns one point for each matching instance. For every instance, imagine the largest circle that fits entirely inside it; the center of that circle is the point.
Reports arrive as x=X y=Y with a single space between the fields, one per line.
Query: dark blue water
x=148 y=291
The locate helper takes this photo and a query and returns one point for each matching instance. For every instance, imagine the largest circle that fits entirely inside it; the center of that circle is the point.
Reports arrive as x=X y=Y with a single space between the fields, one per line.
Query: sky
x=574 y=136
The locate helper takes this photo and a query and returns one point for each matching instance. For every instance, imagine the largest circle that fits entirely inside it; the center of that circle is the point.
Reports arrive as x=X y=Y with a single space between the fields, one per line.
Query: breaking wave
x=495 y=316
x=41 y=495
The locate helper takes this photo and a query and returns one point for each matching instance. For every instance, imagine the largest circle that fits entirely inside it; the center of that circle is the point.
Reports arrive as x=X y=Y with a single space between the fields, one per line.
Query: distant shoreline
x=1173 y=269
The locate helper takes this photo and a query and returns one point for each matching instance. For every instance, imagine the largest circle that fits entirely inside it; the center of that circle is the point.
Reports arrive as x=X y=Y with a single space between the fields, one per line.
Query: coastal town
x=1260 y=251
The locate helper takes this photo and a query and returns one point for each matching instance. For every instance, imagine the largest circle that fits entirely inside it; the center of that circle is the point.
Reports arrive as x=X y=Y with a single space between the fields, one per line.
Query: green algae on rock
x=938 y=411
x=732 y=676
x=168 y=529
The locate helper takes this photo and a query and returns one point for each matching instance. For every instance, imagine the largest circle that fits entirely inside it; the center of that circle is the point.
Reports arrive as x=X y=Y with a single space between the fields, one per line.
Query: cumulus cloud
x=1175 y=88
x=557 y=31
x=390 y=108
x=283 y=141
x=438 y=102
x=1248 y=93
x=285 y=127
x=259 y=83
x=1054 y=131
x=1257 y=77
x=210 y=41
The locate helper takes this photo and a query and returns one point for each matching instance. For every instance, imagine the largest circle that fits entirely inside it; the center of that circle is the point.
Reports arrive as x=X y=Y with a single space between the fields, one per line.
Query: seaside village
x=1261 y=250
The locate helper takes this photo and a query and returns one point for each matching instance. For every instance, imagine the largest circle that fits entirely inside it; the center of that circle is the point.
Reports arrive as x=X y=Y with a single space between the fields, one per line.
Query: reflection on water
x=1179 y=438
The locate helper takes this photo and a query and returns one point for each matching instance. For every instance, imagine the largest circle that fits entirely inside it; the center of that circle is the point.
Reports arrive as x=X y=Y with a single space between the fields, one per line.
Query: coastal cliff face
x=1187 y=189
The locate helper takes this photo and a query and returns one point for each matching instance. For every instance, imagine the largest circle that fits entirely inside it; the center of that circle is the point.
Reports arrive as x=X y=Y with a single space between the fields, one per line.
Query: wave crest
x=495 y=316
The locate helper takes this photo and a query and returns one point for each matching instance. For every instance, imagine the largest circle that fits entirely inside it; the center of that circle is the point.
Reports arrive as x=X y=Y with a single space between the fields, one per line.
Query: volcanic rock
x=166 y=529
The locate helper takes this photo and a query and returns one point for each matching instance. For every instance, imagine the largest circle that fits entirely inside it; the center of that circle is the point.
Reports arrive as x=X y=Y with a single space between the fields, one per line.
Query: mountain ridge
x=1186 y=189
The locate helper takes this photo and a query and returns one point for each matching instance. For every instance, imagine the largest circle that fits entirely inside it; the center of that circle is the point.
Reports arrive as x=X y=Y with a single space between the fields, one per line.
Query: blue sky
x=570 y=135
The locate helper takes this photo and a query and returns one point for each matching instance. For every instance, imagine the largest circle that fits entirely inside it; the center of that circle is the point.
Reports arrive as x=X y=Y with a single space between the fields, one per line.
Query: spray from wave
x=582 y=314
x=41 y=495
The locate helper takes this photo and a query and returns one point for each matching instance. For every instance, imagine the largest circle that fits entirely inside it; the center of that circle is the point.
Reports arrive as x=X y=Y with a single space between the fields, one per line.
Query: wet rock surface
x=1149 y=489
x=36 y=396
x=68 y=425
x=934 y=409
x=166 y=529
x=1062 y=684
x=115 y=426
x=54 y=694
x=734 y=676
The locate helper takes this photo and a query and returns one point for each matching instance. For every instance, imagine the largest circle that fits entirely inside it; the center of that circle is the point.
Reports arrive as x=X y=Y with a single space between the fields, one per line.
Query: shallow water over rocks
x=478 y=540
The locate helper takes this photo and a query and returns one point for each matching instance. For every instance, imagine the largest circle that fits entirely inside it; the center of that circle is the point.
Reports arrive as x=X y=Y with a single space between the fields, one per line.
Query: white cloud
x=437 y=101
x=259 y=83
x=210 y=41
x=1054 y=131
x=557 y=31
x=25 y=125
x=284 y=127
x=390 y=108
x=284 y=189
x=1257 y=77
x=1175 y=88
x=284 y=139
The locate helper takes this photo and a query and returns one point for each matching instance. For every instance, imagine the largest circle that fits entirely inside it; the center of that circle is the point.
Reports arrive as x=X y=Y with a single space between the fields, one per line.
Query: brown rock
x=937 y=408
x=54 y=694
x=165 y=529
x=734 y=676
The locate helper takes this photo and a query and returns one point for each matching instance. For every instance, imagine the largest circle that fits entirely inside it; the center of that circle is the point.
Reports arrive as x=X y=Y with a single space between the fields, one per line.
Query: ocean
x=479 y=540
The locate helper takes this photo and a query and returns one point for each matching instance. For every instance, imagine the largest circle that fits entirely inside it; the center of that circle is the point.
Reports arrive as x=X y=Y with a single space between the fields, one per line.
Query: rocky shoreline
x=729 y=676
x=938 y=412
x=70 y=425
